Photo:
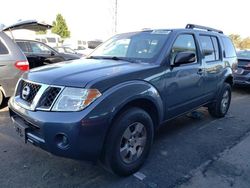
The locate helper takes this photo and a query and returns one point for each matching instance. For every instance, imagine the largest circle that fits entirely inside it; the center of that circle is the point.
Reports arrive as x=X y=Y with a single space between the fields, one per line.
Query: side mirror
x=184 y=58
x=207 y=52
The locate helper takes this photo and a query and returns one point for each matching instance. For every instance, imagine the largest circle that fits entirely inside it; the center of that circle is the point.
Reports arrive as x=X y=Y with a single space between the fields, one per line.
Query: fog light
x=62 y=141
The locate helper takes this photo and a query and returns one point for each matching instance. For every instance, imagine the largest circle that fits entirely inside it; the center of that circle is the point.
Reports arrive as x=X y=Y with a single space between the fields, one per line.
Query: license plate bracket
x=21 y=129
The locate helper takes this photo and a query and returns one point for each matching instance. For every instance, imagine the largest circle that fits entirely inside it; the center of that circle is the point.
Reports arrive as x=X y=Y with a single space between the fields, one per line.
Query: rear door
x=184 y=84
x=212 y=61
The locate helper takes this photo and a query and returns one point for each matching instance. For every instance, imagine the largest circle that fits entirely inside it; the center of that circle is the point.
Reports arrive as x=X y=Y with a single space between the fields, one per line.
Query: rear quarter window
x=3 y=49
x=24 y=46
x=229 y=47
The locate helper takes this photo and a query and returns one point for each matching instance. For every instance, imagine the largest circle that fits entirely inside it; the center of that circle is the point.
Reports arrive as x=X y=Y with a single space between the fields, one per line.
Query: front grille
x=48 y=97
x=45 y=95
x=34 y=88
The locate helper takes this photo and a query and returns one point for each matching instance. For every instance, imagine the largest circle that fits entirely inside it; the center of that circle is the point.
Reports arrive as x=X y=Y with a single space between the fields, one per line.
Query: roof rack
x=193 y=26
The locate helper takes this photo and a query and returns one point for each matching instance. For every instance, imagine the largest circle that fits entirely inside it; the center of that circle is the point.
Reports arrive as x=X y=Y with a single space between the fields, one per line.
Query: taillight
x=22 y=65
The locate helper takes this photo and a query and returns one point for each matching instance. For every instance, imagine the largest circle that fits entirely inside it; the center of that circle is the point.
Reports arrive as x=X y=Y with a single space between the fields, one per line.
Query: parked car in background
x=39 y=54
x=92 y=44
x=17 y=56
x=82 y=46
x=12 y=64
x=67 y=50
x=107 y=107
x=13 y=61
x=242 y=74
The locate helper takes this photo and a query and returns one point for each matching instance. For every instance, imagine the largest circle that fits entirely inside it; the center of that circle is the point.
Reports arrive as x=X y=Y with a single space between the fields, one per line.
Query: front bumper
x=242 y=79
x=85 y=134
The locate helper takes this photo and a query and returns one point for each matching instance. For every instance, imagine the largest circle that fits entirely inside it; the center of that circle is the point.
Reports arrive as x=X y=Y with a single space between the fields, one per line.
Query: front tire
x=129 y=141
x=220 y=107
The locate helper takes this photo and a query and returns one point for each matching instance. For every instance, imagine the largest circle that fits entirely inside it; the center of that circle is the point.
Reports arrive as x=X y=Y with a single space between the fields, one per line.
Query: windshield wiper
x=113 y=58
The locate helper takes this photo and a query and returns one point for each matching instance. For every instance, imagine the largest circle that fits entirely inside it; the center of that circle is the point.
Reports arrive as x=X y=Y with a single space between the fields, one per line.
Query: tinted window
x=3 y=49
x=183 y=43
x=229 y=48
x=207 y=48
x=24 y=46
x=216 y=48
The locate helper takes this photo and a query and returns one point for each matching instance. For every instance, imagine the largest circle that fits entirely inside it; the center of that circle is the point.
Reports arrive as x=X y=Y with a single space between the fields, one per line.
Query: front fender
x=115 y=98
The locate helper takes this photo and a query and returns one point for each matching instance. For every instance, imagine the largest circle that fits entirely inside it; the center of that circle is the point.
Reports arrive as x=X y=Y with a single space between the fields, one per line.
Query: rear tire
x=220 y=107
x=129 y=141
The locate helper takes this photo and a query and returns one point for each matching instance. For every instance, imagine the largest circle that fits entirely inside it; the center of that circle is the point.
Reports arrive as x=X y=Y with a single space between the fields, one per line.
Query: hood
x=32 y=25
x=79 y=73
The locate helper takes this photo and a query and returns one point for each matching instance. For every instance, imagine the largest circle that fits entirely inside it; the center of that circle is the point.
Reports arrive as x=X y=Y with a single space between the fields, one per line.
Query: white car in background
x=81 y=46
x=51 y=39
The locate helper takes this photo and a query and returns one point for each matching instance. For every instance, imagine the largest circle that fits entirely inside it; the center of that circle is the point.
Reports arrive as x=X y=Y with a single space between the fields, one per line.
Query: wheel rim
x=133 y=142
x=225 y=101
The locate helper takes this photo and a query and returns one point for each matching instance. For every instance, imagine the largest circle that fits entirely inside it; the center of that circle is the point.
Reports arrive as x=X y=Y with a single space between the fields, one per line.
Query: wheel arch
x=229 y=80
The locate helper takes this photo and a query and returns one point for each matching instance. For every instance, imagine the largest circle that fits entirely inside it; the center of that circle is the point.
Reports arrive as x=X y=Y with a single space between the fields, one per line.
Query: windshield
x=243 y=54
x=141 y=47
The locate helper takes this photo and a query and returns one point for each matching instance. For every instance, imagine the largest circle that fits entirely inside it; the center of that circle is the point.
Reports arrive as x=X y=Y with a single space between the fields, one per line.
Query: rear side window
x=3 y=49
x=24 y=46
x=229 y=48
x=210 y=48
x=216 y=48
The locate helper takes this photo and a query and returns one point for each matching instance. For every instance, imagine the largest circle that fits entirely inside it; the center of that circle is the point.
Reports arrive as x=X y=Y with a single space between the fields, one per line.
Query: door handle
x=200 y=71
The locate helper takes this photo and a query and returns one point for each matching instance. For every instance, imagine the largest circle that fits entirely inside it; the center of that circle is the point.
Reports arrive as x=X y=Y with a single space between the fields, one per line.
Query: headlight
x=75 y=99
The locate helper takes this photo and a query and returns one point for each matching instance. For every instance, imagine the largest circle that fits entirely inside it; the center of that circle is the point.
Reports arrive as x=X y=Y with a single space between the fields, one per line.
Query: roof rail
x=193 y=26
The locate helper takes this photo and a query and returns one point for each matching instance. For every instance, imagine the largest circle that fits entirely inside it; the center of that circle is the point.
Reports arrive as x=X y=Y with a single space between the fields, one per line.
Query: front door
x=184 y=84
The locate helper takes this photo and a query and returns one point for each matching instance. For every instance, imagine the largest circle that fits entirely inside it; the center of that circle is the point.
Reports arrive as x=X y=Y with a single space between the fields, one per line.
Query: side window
x=216 y=48
x=3 y=49
x=229 y=48
x=39 y=48
x=24 y=46
x=208 y=48
x=184 y=42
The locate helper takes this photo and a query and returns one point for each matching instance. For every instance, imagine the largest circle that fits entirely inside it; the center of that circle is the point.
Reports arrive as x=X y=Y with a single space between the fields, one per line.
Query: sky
x=94 y=19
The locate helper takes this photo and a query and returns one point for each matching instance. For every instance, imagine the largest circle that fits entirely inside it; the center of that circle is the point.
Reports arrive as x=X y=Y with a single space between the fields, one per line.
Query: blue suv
x=107 y=107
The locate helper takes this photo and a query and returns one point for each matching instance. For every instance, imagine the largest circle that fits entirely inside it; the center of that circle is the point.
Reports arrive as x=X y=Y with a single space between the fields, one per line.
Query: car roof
x=26 y=40
x=189 y=28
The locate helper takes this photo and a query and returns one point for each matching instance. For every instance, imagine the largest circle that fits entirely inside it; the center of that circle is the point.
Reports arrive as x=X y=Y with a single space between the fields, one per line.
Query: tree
x=245 y=43
x=60 y=27
x=236 y=39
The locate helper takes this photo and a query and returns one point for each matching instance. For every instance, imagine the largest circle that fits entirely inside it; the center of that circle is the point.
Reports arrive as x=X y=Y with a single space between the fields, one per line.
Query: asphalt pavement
x=190 y=151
